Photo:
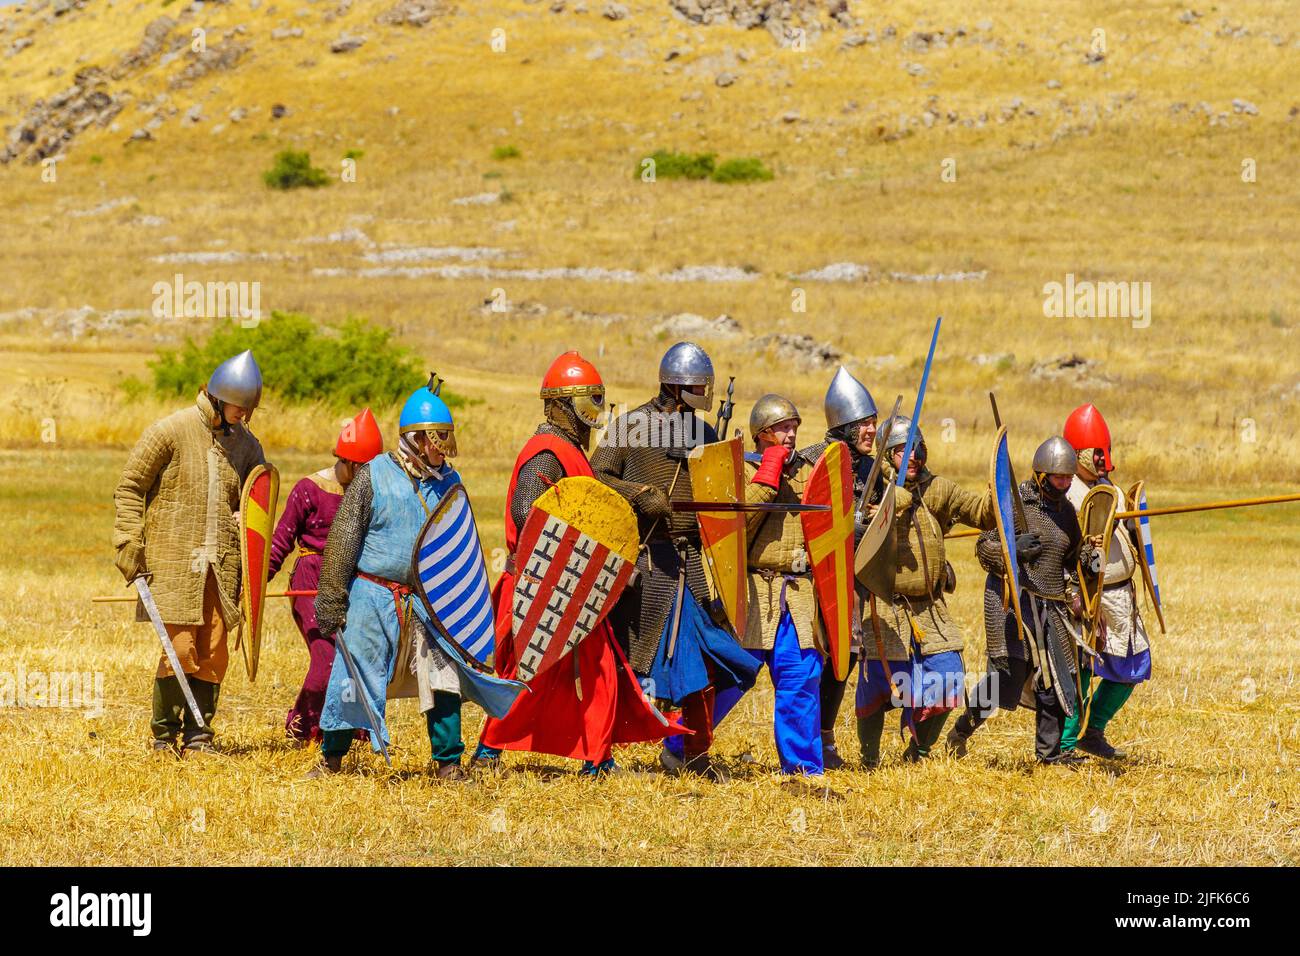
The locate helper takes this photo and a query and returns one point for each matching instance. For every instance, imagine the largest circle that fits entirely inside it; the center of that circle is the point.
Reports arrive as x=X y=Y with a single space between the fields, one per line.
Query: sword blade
x=146 y=598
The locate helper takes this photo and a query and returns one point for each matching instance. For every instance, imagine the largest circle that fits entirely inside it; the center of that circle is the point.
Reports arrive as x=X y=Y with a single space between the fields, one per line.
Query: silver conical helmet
x=1056 y=456
x=847 y=400
x=688 y=364
x=894 y=433
x=237 y=381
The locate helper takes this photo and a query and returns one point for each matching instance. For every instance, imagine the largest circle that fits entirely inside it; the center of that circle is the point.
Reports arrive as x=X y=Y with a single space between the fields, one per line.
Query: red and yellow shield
x=256 y=526
x=828 y=536
x=718 y=475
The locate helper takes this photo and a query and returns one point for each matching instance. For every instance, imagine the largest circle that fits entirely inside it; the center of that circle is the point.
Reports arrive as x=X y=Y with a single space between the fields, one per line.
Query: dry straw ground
x=1104 y=176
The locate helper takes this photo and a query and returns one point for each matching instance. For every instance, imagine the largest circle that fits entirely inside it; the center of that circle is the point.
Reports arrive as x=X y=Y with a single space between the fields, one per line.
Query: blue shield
x=452 y=577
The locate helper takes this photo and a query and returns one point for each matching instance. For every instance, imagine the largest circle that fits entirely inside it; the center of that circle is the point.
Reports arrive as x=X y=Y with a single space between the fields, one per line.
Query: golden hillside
x=943 y=162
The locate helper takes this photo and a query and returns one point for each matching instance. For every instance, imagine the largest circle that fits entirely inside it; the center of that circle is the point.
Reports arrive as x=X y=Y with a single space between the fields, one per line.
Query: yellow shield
x=717 y=474
x=256 y=526
x=1096 y=517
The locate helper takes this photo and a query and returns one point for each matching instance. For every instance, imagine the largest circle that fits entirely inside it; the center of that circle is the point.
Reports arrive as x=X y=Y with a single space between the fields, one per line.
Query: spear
x=724 y=411
x=114 y=599
x=1177 y=510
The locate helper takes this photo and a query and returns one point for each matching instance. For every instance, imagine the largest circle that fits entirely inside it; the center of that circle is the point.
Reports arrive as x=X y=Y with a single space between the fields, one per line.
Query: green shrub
x=354 y=154
x=344 y=367
x=680 y=165
x=293 y=169
x=505 y=152
x=744 y=170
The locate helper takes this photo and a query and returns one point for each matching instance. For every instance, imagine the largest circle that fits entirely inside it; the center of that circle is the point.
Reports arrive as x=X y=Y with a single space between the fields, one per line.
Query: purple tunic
x=308 y=514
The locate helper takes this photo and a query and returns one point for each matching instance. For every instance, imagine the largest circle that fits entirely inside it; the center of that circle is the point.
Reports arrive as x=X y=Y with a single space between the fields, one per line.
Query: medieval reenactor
x=783 y=631
x=850 y=418
x=1047 y=549
x=583 y=714
x=177 y=526
x=302 y=530
x=365 y=594
x=912 y=648
x=677 y=639
x=1124 y=655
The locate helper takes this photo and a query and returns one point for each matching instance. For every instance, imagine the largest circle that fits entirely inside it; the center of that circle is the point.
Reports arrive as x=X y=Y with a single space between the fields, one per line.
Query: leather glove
x=769 y=471
x=652 y=503
x=1094 y=562
x=130 y=561
x=1002 y=664
x=1028 y=547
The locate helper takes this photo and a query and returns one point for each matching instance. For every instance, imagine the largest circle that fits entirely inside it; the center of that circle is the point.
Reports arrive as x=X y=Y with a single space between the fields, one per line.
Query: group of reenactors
x=666 y=663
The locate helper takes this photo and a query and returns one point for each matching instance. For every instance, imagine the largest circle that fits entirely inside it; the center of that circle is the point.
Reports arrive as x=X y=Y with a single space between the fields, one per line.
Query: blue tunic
x=373 y=628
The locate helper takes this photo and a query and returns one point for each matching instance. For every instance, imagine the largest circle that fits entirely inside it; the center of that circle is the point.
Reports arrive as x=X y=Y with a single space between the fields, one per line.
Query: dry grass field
x=1129 y=168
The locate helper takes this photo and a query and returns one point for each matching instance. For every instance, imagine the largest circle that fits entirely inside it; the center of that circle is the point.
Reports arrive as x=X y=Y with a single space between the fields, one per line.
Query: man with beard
x=1047 y=549
x=677 y=641
x=850 y=418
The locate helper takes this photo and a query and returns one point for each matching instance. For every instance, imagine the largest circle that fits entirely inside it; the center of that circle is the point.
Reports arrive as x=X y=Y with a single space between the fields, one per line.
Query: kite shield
x=1004 y=498
x=828 y=536
x=451 y=575
x=1096 y=517
x=576 y=554
x=256 y=526
x=717 y=475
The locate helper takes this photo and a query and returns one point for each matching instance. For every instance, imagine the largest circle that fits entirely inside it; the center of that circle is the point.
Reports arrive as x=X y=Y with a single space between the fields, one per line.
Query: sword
x=355 y=676
x=146 y=598
x=677 y=604
x=875 y=465
x=745 y=506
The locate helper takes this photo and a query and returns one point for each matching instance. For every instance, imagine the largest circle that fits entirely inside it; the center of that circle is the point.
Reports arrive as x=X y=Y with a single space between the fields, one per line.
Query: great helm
x=237 y=381
x=771 y=410
x=1085 y=429
x=1056 y=456
x=360 y=440
x=847 y=400
x=572 y=376
x=425 y=411
x=688 y=364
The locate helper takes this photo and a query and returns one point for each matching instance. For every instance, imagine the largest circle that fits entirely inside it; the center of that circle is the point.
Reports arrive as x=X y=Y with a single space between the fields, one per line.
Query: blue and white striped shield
x=452 y=577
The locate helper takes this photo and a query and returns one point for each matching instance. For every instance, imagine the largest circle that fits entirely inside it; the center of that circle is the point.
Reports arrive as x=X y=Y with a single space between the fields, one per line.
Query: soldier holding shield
x=676 y=639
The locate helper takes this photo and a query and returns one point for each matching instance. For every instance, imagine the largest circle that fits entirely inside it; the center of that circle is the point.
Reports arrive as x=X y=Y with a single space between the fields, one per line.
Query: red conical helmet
x=1085 y=428
x=572 y=376
x=360 y=440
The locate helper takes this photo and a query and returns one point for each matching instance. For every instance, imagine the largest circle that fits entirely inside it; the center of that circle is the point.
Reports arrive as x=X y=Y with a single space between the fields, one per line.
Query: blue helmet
x=426 y=411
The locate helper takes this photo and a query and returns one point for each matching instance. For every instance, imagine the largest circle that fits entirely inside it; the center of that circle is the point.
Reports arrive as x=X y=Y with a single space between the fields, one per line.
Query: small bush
x=97 y=159
x=492 y=174
x=133 y=388
x=505 y=152
x=354 y=154
x=680 y=165
x=344 y=367
x=293 y=169
x=744 y=170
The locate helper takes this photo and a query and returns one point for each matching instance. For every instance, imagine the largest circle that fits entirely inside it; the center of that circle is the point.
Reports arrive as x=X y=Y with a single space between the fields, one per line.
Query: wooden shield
x=828 y=536
x=717 y=474
x=451 y=576
x=875 y=563
x=576 y=553
x=1096 y=517
x=1141 y=536
x=256 y=526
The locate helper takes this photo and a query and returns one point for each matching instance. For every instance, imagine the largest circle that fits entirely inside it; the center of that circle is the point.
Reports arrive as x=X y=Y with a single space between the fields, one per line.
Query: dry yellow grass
x=1098 y=183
